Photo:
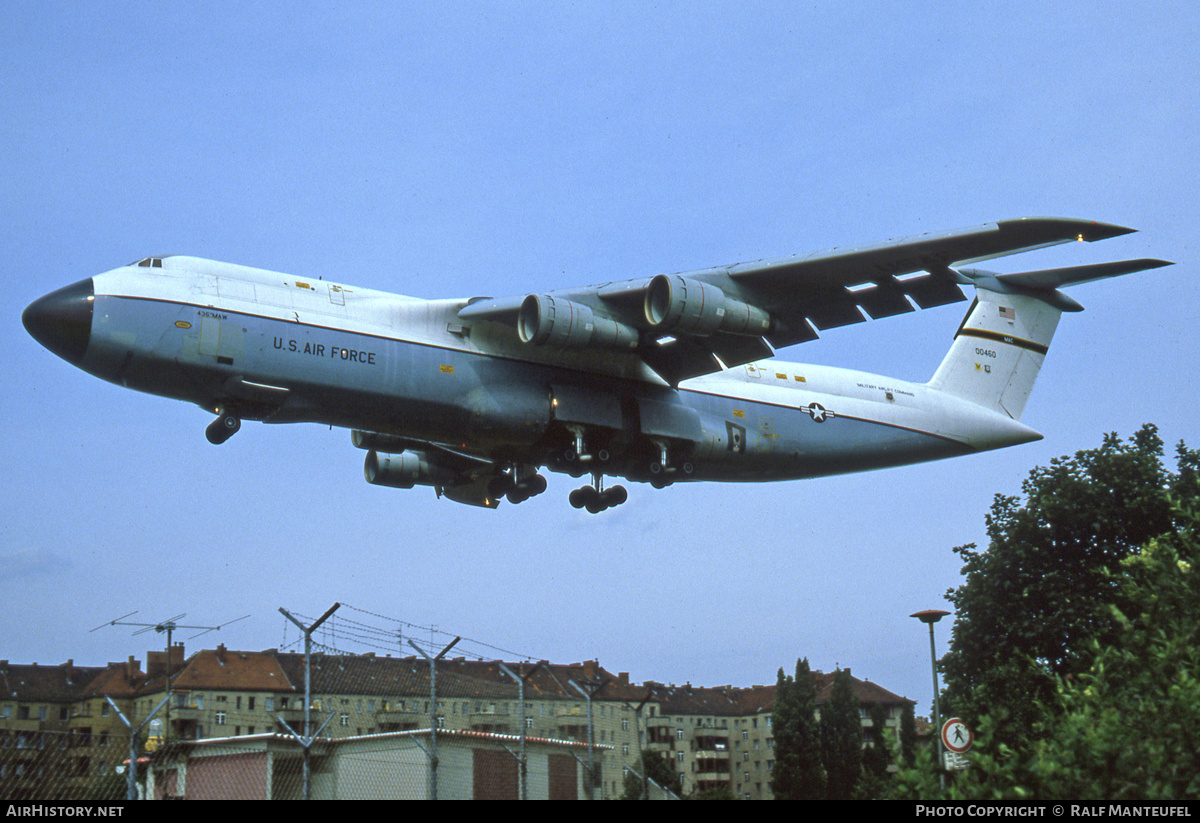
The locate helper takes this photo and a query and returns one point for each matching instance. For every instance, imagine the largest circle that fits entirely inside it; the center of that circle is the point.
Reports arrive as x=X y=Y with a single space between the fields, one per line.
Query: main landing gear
x=518 y=485
x=596 y=498
x=223 y=428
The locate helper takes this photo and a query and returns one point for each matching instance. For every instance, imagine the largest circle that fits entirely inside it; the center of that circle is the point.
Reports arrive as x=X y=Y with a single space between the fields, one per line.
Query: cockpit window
x=155 y=262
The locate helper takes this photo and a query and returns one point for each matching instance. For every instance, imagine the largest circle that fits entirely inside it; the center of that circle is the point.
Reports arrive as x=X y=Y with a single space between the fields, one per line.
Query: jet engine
x=678 y=305
x=552 y=321
x=405 y=470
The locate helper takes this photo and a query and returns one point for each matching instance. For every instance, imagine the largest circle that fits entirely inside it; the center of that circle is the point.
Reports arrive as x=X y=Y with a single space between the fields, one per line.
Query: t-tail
x=1000 y=346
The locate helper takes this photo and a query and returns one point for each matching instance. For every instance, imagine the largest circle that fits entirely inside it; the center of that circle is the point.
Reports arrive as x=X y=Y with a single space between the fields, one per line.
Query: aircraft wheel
x=581 y=496
x=500 y=485
x=616 y=495
x=223 y=428
x=536 y=484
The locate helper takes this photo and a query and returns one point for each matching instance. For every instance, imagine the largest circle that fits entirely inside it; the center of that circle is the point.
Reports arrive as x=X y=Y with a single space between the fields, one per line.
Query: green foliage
x=841 y=739
x=1120 y=723
x=722 y=792
x=878 y=756
x=1124 y=729
x=798 y=774
x=908 y=734
x=1034 y=605
x=656 y=767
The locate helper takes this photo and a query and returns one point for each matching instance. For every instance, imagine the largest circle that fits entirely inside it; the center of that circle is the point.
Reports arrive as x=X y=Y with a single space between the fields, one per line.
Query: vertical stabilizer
x=998 y=351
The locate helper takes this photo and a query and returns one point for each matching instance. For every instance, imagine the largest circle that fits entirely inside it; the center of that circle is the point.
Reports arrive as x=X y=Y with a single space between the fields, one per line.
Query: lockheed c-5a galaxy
x=661 y=379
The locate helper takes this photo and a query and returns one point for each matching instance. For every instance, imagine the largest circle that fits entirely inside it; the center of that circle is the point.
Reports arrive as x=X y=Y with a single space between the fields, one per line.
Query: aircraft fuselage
x=283 y=349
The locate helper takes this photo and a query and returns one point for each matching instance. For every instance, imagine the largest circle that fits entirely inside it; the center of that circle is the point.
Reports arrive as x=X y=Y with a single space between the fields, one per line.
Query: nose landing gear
x=224 y=427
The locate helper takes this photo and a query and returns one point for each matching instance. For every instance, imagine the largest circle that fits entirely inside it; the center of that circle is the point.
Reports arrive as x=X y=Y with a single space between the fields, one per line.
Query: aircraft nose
x=62 y=320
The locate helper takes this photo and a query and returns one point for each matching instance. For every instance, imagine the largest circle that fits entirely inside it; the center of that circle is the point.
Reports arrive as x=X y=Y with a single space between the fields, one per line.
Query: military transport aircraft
x=659 y=379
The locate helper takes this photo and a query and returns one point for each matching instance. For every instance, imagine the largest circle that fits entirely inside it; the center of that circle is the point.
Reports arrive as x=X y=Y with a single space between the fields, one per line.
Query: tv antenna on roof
x=168 y=626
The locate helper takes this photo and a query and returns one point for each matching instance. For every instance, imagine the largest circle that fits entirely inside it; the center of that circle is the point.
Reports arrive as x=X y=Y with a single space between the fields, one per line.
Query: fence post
x=307 y=740
x=131 y=774
x=432 y=753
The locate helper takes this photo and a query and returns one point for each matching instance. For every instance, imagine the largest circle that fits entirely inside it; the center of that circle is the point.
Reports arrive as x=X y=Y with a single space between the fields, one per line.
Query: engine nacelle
x=678 y=305
x=403 y=471
x=552 y=321
x=379 y=442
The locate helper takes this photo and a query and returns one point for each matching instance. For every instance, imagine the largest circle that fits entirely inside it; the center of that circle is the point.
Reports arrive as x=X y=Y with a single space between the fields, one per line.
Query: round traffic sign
x=956 y=736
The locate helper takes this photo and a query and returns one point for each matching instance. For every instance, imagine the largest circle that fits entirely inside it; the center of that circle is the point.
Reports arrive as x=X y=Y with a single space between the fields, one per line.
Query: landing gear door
x=669 y=420
x=586 y=406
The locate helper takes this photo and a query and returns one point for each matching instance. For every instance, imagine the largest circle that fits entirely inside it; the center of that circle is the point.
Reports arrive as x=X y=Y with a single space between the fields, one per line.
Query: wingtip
x=1103 y=231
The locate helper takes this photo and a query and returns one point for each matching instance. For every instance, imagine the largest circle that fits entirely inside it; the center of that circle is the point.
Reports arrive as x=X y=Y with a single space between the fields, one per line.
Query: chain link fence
x=432 y=724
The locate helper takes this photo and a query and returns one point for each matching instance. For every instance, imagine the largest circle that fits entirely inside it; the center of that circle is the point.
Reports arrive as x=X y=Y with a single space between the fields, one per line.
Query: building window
x=220 y=718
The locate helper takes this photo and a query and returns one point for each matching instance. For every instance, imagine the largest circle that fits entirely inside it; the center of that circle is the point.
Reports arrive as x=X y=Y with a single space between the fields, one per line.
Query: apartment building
x=720 y=738
x=41 y=755
x=714 y=737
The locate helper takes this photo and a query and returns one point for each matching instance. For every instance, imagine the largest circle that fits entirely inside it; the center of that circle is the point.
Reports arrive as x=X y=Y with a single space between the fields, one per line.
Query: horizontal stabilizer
x=1057 y=278
x=1044 y=284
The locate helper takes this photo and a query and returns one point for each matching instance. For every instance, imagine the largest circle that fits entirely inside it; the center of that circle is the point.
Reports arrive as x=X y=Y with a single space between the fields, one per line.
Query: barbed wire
x=339 y=630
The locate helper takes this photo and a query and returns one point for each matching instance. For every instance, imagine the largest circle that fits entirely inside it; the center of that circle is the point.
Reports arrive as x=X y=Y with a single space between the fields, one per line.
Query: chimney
x=156 y=664
x=221 y=654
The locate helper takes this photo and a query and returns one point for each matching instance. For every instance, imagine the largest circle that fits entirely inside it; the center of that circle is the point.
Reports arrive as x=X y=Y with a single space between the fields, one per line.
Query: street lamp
x=931 y=616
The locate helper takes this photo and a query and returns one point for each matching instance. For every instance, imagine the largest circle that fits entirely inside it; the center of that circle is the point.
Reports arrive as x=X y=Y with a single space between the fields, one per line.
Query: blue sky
x=458 y=149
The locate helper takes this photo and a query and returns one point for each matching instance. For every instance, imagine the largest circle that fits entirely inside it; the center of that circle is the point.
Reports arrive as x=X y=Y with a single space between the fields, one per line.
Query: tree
x=657 y=768
x=841 y=739
x=876 y=758
x=1035 y=603
x=797 y=774
x=1124 y=727
x=908 y=734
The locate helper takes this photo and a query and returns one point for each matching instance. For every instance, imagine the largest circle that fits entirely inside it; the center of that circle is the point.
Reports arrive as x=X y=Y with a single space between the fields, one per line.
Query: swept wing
x=694 y=323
